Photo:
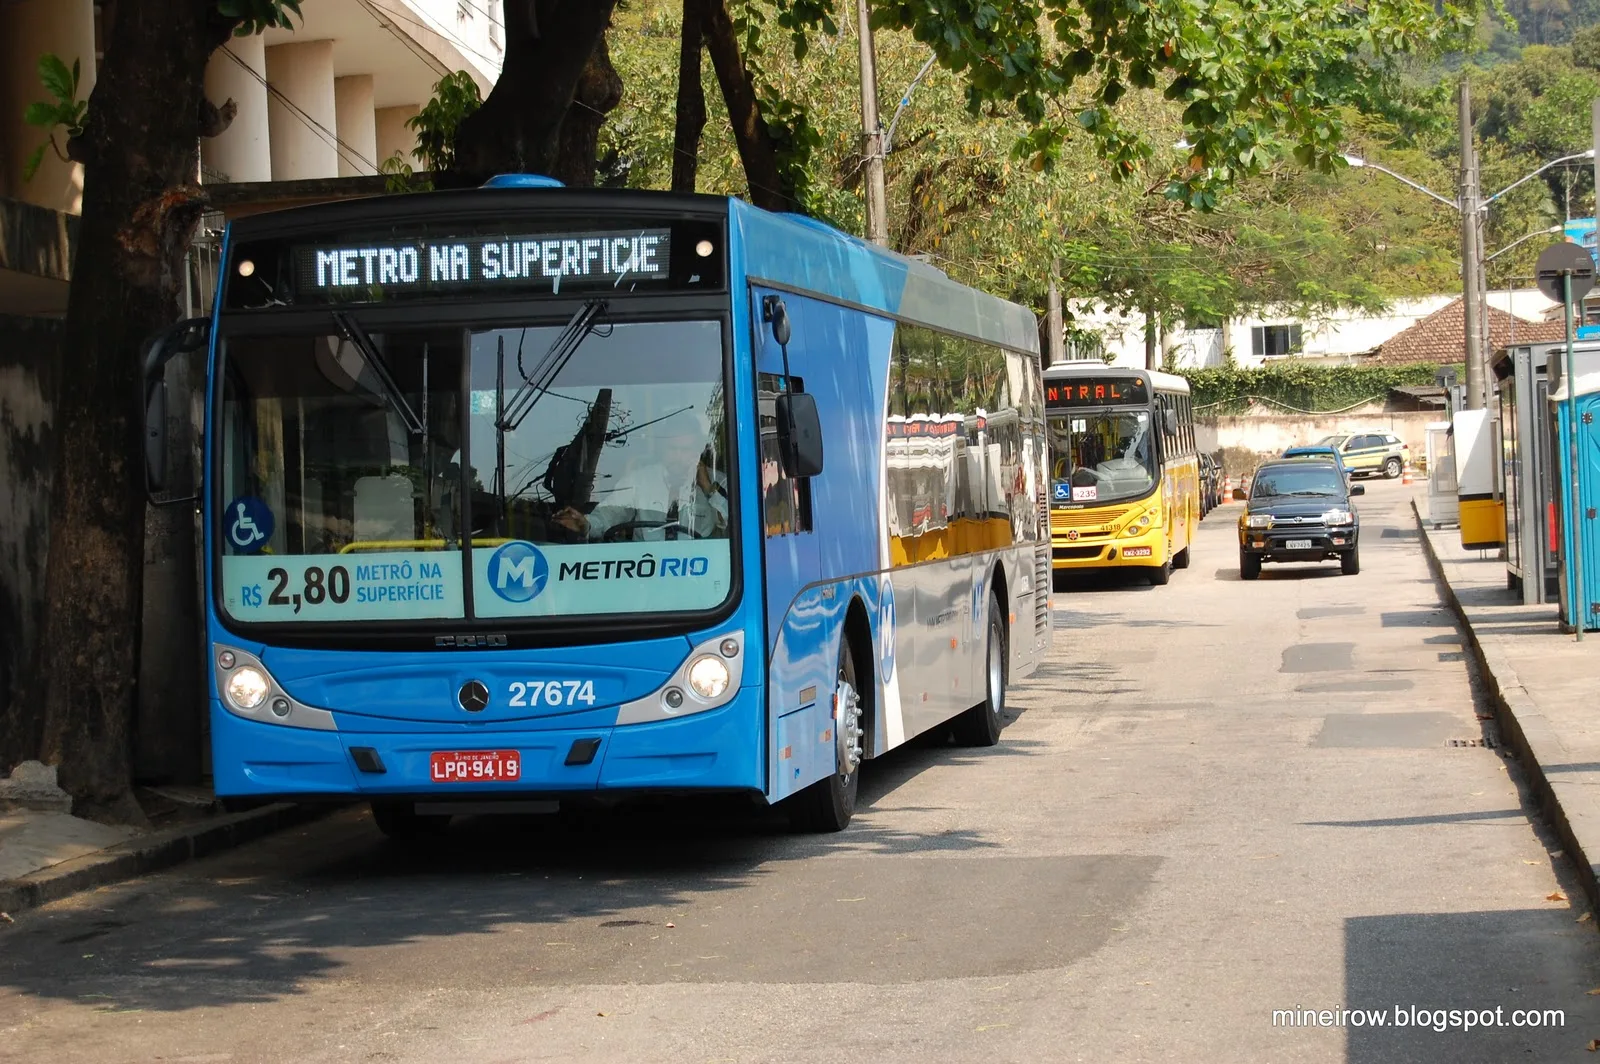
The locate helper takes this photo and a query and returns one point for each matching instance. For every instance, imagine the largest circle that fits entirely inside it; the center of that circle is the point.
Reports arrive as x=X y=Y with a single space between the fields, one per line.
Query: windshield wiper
x=1308 y=491
x=550 y=365
x=353 y=332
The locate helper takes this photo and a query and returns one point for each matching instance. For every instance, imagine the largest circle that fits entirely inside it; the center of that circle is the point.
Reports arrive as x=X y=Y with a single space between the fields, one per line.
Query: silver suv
x=1370 y=452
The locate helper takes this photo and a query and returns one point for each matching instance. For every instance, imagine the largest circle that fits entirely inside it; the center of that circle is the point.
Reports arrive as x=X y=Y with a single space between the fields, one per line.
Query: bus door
x=798 y=678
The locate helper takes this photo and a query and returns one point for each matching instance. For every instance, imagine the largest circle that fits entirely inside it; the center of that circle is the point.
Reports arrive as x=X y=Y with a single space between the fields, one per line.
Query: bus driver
x=666 y=486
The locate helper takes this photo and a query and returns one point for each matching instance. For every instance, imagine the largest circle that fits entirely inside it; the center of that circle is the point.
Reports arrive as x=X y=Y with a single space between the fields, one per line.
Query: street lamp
x=1522 y=239
x=1361 y=164
x=1473 y=213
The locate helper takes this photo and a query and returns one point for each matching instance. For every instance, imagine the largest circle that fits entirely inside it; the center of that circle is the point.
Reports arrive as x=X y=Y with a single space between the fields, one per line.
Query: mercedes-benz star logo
x=473 y=696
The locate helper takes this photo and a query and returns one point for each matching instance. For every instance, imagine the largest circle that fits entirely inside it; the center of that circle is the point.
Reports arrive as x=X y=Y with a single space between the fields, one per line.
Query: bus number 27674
x=552 y=693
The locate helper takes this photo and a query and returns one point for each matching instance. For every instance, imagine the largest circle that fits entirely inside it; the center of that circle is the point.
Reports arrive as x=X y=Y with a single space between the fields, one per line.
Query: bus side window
x=785 y=501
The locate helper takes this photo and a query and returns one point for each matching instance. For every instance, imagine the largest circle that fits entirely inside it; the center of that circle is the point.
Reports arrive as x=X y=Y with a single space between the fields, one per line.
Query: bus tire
x=1180 y=560
x=1162 y=573
x=828 y=804
x=980 y=725
x=401 y=821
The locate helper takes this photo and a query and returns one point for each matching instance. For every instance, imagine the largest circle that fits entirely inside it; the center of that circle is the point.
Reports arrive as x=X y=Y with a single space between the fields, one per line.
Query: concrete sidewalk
x=1543 y=687
x=46 y=854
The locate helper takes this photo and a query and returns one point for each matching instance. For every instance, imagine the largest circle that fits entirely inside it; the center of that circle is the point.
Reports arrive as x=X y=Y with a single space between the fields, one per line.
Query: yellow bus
x=1125 y=477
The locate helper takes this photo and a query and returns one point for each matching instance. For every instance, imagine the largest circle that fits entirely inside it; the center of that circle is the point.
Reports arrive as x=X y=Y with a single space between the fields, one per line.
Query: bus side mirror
x=186 y=336
x=799 y=434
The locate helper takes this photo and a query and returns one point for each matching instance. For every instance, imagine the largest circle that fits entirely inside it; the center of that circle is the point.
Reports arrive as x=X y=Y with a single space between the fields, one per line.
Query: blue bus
x=527 y=493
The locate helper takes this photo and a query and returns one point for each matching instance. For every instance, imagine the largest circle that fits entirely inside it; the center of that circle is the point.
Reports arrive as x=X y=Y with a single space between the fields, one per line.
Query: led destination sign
x=611 y=259
x=1096 y=391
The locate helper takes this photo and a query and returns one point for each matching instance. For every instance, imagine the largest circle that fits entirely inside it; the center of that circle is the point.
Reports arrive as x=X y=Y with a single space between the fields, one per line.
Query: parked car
x=1299 y=510
x=1210 y=484
x=1318 y=450
x=1370 y=452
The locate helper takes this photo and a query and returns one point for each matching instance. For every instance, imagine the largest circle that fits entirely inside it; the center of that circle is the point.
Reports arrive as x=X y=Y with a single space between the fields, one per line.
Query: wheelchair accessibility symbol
x=248 y=524
x=1063 y=491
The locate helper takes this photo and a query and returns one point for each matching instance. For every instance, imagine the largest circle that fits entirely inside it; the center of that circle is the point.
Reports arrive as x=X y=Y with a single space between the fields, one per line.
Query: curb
x=1523 y=729
x=150 y=853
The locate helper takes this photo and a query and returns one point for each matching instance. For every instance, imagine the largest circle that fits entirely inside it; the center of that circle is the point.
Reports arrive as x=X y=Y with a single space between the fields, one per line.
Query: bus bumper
x=1148 y=549
x=716 y=750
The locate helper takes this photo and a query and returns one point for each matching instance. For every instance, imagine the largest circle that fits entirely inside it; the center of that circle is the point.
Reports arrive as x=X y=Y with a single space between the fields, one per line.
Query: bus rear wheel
x=828 y=804
x=980 y=725
x=401 y=821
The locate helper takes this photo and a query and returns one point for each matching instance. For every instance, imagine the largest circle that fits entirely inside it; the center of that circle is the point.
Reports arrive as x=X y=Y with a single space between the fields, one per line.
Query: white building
x=1337 y=337
x=327 y=99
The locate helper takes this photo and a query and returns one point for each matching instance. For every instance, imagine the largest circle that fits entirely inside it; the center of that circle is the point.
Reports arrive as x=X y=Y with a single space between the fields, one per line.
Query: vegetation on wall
x=1299 y=386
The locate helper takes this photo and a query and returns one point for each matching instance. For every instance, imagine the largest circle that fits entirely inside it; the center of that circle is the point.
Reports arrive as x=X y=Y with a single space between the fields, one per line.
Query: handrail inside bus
x=413 y=544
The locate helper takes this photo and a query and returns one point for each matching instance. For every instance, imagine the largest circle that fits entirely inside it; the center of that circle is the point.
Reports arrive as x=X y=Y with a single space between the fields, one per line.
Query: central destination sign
x=1096 y=391
x=553 y=261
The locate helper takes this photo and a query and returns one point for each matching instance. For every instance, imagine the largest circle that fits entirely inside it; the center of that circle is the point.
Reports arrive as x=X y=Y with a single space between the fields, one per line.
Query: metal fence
x=201 y=265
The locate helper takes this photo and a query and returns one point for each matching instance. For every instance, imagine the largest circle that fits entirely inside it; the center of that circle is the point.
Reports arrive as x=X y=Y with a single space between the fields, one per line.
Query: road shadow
x=1425 y=963
x=330 y=900
x=1291 y=571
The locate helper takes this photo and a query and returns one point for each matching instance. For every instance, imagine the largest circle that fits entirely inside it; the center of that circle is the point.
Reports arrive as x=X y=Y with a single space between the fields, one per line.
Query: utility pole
x=1054 y=347
x=871 y=133
x=1470 y=257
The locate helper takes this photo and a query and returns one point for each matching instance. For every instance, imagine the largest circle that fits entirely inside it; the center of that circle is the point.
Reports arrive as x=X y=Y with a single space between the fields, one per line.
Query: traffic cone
x=1227 y=489
x=1405 y=475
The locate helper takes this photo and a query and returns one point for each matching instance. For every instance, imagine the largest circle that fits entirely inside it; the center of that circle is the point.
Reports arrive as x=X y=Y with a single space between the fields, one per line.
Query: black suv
x=1299 y=511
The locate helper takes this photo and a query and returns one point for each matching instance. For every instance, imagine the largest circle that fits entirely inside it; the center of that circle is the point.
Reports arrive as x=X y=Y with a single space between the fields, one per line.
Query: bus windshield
x=352 y=473
x=1102 y=455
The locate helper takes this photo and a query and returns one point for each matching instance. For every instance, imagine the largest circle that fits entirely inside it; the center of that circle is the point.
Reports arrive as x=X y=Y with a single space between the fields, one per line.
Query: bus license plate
x=1297 y=544
x=474 y=766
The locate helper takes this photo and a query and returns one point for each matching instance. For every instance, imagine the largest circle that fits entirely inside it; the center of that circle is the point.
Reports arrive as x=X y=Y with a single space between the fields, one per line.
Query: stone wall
x=27 y=386
x=169 y=725
x=1246 y=440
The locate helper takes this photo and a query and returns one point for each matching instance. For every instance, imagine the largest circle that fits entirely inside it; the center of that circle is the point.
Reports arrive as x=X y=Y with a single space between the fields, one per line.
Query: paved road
x=1218 y=800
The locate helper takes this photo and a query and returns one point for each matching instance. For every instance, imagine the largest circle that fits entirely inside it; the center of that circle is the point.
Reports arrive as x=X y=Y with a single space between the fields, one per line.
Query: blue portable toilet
x=1578 y=544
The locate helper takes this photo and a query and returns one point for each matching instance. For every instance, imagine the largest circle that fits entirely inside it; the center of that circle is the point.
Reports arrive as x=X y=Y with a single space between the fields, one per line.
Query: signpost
x=1565 y=272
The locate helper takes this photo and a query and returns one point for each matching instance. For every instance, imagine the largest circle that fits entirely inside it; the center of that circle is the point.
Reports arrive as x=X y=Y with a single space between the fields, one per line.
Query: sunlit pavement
x=1217 y=800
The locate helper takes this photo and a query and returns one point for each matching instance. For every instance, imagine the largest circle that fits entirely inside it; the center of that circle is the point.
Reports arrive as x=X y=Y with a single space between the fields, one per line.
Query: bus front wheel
x=980 y=725
x=828 y=804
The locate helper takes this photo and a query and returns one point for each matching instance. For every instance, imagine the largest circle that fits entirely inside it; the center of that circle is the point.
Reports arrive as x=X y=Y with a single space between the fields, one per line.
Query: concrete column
x=394 y=136
x=302 y=136
x=358 y=126
x=243 y=151
x=28 y=30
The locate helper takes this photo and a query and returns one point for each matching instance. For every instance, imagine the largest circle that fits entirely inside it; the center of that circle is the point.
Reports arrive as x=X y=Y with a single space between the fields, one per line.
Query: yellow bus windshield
x=1102 y=456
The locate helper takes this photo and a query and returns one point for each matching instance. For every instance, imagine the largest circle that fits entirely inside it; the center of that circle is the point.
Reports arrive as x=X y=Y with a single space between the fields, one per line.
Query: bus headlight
x=247 y=688
x=708 y=677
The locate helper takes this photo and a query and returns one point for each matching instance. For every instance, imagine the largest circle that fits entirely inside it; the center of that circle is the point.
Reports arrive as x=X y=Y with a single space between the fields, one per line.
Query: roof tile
x=1440 y=337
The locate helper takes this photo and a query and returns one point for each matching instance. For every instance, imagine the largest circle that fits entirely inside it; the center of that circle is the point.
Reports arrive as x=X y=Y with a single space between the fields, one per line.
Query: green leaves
x=1299 y=385
x=63 y=109
x=256 y=16
x=455 y=96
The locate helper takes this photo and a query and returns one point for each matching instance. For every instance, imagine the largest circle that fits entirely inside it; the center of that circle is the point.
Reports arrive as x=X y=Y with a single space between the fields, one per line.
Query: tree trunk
x=1149 y=339
x=518 y=128
x=598 y=93
x=691 y=112
x=756 y=149
x=140 y=205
